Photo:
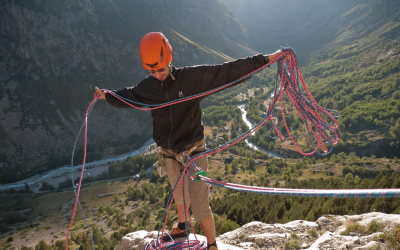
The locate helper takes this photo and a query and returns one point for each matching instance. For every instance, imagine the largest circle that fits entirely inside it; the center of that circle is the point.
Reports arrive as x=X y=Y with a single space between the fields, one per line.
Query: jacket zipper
x=170 y=119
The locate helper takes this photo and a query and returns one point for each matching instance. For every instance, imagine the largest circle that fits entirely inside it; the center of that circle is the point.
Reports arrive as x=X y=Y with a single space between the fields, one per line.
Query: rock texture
x=137 y=240
x=325 y=233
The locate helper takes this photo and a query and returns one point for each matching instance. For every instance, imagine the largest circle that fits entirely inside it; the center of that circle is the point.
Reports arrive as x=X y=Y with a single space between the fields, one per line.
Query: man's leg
x=208 y=226
x=181 y=213
x=172 y=168
x=200 y=202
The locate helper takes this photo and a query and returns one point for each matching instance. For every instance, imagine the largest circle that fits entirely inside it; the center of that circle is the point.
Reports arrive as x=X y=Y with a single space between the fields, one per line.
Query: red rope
x=83 y=167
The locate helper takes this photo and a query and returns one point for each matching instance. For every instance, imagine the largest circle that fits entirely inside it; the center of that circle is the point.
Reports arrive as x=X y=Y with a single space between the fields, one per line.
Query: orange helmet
x=155 y=51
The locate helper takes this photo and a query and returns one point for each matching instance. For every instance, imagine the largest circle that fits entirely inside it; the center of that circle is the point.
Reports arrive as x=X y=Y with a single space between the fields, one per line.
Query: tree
x=244 y=127
x=60 y=245
x=348 y=179
x=360 y=171
x=396 y=129
x=343 y=136
x=234 y=134
x=346 y=170
x=233 y=126
x=142 y=173
x=357 y=179
x=86 y=242
x=160 y=191
x=114 y=169
x=342 y=126
x=154 y=176
x=116 y=198
x=42 y=246
x=252 y=164
x=153 y=198
x=235 y=165
x=227 y=226
x=134 y=193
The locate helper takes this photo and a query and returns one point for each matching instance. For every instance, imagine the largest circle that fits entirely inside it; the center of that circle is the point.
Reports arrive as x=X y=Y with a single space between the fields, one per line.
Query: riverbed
x=248 y=123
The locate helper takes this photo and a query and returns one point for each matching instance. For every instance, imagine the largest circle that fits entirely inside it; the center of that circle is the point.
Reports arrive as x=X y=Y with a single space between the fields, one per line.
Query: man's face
x=160 y=74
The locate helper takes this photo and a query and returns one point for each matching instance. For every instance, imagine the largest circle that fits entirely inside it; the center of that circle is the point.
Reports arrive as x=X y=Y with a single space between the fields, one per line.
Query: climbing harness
x=160 y=163
x=182 y=155
x=321 y=133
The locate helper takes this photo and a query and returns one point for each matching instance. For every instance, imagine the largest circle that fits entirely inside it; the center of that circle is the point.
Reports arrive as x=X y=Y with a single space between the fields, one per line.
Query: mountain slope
x=53 y=54
x=349 y=57
x=302 y=25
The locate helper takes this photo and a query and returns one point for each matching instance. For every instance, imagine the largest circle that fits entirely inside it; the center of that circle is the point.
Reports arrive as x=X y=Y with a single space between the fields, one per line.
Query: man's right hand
x=100 y=93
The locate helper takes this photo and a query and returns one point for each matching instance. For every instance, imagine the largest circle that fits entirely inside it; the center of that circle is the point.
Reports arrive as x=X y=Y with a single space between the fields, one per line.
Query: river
x=250 y=144
x=64 y=171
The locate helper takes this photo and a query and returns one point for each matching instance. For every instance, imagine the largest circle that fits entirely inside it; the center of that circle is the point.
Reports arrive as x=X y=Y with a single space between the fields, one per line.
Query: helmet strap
x=170 y=71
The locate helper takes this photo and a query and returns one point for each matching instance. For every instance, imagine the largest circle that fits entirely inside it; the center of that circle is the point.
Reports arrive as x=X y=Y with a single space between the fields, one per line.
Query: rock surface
x=321 y=234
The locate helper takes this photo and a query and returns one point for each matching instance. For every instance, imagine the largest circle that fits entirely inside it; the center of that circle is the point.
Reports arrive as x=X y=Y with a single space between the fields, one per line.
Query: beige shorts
x=196 y=193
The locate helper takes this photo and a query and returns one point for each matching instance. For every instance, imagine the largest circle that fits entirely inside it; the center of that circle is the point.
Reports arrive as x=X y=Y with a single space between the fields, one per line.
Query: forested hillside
x=356 y=73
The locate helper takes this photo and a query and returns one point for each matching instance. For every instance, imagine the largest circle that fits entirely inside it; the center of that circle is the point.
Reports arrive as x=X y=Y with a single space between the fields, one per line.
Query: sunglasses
x=158 y=70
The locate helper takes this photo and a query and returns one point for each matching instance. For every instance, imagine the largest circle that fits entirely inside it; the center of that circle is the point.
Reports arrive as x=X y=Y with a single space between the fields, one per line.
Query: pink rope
x=83 y=167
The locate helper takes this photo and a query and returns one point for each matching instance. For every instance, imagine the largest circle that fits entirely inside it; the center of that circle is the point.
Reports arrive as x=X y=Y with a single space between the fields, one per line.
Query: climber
x=179 y=127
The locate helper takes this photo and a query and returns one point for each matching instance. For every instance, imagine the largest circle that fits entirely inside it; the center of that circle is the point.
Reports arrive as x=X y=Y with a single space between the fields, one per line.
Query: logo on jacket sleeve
x=180 y=94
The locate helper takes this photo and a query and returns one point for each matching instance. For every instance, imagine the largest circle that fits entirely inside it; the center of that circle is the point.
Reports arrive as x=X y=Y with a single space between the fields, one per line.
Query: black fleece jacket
x=180 y=124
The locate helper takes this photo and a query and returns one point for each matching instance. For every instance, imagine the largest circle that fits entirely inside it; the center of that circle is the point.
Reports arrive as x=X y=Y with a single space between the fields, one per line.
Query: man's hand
x=278 y=53
x=100 y=93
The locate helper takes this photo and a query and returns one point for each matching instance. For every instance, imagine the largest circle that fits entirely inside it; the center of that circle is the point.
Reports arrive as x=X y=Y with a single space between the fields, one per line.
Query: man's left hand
x=278 y=53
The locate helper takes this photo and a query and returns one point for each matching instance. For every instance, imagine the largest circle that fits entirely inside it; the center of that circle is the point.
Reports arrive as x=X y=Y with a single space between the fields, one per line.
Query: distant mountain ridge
x=303 y=25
